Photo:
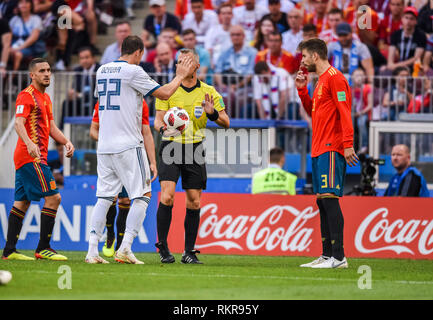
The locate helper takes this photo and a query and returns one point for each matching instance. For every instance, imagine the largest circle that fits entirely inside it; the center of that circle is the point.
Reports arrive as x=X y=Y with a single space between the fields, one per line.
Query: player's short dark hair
x=315 y=46
x=260 y=67
x=131 y=44
x=336 y=11
x=309 y=27
x=197 y=1
x=276 y=154
x=35 y=61
x=187 y=32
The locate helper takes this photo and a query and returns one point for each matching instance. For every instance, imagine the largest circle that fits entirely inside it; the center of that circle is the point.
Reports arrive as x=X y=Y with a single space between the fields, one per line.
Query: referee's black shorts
x=185 y=160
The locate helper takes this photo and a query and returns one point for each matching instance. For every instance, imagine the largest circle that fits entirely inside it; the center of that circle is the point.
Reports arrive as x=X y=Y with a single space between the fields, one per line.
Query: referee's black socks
x=111 y=216
x=121 y=223
x=336 y=225
x=324 y=230
x=191 y=224
x=163 y=221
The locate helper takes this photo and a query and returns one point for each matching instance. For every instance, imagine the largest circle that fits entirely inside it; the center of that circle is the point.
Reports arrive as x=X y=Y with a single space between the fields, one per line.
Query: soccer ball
x=5 y=277
x=177 y=120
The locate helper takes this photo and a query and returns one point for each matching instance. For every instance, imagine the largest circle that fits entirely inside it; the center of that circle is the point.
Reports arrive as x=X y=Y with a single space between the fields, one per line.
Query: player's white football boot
x=313 y=263
x=126 y=256
x=95 y=260
x=332 y=263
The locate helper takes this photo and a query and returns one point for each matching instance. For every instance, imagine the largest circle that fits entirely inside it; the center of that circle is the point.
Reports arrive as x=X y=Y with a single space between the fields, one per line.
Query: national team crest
x=198 y=111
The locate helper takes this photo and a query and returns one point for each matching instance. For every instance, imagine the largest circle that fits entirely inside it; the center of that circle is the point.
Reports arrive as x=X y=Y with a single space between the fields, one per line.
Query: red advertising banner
x=279 y=225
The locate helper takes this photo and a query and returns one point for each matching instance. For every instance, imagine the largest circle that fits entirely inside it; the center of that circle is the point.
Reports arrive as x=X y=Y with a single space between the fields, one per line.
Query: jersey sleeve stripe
x=151 y=91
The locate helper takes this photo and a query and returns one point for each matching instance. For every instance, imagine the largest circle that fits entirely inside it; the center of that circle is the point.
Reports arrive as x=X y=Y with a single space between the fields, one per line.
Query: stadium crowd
x=247 y=48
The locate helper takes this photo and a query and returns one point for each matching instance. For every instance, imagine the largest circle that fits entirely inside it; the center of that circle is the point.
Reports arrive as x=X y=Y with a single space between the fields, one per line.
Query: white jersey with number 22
x=120 y=88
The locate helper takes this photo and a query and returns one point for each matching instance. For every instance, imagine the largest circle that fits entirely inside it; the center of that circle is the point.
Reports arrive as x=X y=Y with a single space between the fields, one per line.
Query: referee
x=183 y=155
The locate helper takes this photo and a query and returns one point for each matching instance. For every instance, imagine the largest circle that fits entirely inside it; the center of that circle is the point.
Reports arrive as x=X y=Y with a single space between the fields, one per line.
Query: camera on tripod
x=368 y=170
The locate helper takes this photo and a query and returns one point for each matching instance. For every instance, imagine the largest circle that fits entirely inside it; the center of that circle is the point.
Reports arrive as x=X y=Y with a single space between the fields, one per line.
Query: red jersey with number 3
x=144 y=120
x=36 y=107
x=330 y=110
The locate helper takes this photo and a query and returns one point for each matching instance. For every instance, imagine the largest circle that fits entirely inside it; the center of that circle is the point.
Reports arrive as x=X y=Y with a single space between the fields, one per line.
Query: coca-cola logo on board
x=278 y=226
x=378 y=233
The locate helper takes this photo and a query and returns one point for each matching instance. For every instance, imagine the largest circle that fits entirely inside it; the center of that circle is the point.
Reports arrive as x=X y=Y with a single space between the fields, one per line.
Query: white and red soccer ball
x=176 y=119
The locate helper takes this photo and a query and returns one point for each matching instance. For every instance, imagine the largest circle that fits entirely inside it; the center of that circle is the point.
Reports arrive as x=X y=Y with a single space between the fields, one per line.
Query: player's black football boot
x=164 y=253
x=190 y=257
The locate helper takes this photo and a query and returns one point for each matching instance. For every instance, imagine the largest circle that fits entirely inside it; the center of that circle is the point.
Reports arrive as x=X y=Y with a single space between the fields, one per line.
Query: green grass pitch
x=222 y=277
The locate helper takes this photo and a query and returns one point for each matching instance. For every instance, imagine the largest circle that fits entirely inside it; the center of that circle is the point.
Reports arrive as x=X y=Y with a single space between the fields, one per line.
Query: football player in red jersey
x=332 y=145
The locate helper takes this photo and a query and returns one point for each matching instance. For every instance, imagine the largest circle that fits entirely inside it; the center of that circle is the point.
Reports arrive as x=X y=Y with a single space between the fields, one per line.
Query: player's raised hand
x=33 y=150
x=69 y=149
x=208 y=104
x=351 y=157
x=301 y=79
x=185 y=67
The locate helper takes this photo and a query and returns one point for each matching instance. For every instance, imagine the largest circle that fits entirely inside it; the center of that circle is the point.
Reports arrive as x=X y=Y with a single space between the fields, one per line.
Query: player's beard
x=311 y=68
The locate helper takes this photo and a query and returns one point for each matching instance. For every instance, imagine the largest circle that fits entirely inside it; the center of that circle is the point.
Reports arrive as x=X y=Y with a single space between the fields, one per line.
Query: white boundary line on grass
x=410 y=282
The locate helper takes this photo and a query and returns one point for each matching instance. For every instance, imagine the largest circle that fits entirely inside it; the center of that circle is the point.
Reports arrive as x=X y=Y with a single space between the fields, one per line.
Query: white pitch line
x=405 y=282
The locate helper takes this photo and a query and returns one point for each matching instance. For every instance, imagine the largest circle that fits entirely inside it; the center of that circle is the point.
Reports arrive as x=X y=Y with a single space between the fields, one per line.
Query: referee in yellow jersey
x=183 y=156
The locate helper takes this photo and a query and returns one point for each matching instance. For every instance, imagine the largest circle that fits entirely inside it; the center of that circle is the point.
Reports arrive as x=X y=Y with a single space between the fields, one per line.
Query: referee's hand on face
x=185 y=67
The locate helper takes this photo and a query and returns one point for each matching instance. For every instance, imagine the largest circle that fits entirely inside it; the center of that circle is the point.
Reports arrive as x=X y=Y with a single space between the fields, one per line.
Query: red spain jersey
x=36 y=107
x=330 y=110
x=145 y=117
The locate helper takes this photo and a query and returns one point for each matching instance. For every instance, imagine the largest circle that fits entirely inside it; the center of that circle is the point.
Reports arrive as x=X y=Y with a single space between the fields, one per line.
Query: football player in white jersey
x=120 y=88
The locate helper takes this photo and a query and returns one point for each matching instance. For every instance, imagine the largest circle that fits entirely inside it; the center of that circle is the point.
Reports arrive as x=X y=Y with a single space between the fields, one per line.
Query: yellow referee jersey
x=190 y=99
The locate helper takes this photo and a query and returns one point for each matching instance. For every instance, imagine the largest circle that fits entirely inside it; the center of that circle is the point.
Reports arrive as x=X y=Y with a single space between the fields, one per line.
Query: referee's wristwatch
x=162 y=130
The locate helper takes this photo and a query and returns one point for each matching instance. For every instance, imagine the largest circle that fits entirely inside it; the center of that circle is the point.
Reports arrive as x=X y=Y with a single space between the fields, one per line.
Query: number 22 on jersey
x=115 y=85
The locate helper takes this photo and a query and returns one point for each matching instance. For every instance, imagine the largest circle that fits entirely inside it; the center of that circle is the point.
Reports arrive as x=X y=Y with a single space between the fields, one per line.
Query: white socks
x=134 y=221
x=97 y=224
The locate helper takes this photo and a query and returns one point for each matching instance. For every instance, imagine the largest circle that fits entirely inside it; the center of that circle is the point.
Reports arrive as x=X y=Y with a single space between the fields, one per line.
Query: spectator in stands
x=217 y=39
x=8 y=8
x=248 y=16
x=264 y=28
x=270 y=90
x=390 y=24
x=159 y=19
x=319 y=17
x=424 y=17
x=309 y=31
x=190 y=42
x=239 y=58
x=5 y=45
x=274 y=179
x=423 y=102
x=112 y=52
x=293 y=37
x=167 y=36
x=199 y=20
x=362 y=96
x=183 y=7
x=277 y=15
x=286 y=5
x=408 y=181
x=347 y=54
x=397 y=99
x=334 y=17
x=276 y=55
x=164 y=63
x=26 y=28
x=408 y=43
x=368 y=20
x=81 y=99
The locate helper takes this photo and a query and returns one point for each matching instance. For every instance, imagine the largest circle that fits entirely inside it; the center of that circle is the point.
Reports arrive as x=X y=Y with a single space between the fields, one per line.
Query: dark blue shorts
x=123 y=193
x=329 y=173
x=34 y=181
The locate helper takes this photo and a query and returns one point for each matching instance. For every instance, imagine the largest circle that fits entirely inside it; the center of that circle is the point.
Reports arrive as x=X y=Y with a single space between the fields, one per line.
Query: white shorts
x=129 y=168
